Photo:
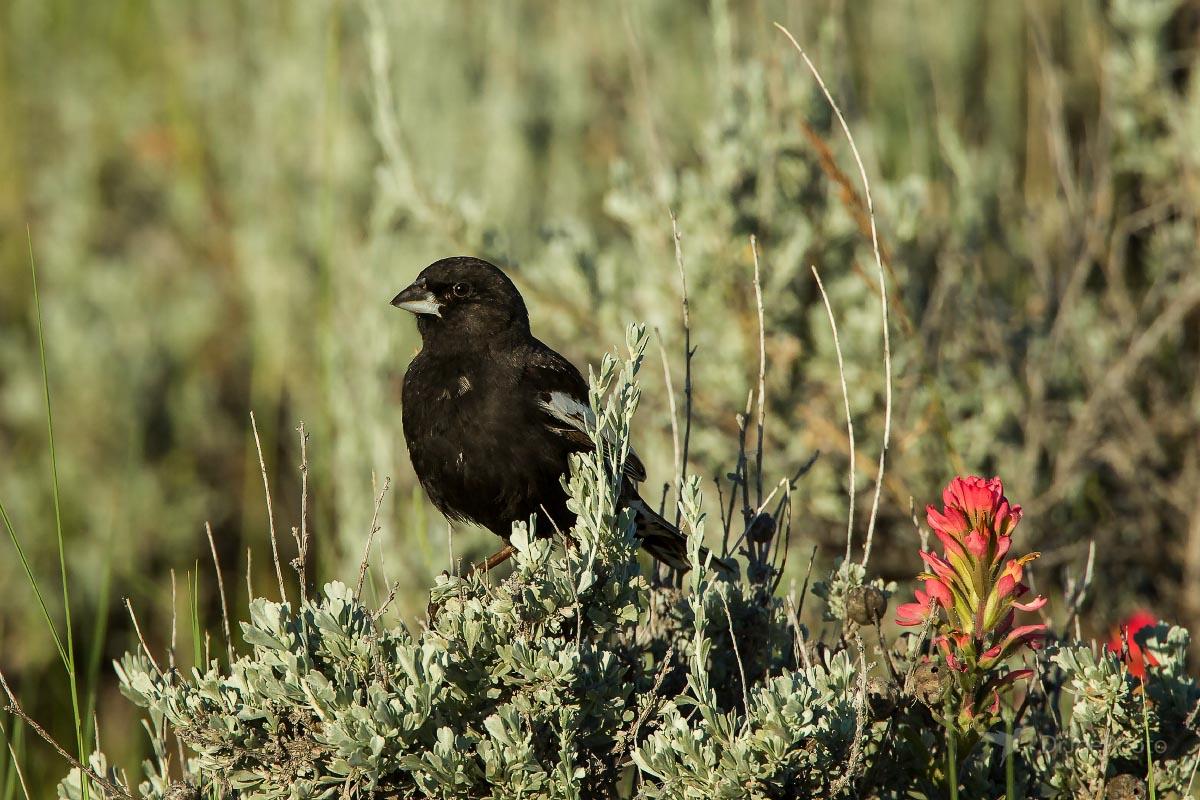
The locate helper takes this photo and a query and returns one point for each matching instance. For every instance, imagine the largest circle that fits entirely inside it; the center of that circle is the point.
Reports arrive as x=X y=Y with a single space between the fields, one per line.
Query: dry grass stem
x=687 y=358
x=174 y=623
x=762 y=373
x=1078 y=593
x=212 y=546
x=141 y=639
x=666 y=362
x=883 y=300
x=737 y=656
x=262 y=465
x=17 y=768
x=837 y=348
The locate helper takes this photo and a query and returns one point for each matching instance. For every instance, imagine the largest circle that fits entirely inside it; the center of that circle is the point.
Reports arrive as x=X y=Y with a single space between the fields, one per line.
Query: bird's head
x=465 y=298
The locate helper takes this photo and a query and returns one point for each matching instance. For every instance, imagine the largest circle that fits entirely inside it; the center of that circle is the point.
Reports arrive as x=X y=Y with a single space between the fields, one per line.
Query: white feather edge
x=567 y=409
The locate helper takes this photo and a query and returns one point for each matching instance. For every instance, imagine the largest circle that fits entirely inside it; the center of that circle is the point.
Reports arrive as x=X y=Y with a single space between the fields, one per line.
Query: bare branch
x=302 y=542
x=362 y=567
x=249 y=569
x=15 y=708
x=860 y=706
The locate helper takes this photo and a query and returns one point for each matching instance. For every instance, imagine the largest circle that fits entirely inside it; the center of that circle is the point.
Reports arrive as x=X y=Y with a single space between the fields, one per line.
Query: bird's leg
x=491 y=562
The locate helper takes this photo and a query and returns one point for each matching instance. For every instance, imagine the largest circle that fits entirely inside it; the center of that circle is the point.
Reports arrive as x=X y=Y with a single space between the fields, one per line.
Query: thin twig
x=743 y=461
x=212 y=545
x=302 y=542
x=883 y=300
x=383 y=573
x=887 y=653
x=249 y=583
x=651 y=703
x=812 y=557
x=785 y=484
x=137 y=628
x=860 y=724
x=762 y=373
x=662 y=351
x=262 y=465
x=362 y=567
x=1029 y=692
x=174 y=623
x=737 y=655
x=379 y=612
x=912 y=667
x=922 y=532
x=1080 y=592
x=14 y=707
x=782 y=544
x=837 y=348
x=687 y=358
x=799 y=651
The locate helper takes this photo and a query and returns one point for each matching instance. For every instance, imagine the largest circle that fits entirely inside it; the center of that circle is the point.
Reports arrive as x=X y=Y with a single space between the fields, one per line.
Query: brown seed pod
x=182 y=790
x=883 y=698
x=865 y=605
x=762 y=528
x=1125 y=787
x=930 y=682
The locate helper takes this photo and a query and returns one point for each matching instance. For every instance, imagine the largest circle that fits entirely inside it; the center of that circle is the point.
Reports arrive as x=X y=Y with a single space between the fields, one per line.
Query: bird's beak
x=418 y=300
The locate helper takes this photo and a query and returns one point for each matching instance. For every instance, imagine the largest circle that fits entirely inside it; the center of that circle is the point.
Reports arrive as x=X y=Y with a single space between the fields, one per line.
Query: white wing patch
x=569 y=410
x=565 y=408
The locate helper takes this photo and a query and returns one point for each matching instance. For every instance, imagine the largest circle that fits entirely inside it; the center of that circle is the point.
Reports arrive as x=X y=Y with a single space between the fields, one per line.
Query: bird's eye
x=462 y=289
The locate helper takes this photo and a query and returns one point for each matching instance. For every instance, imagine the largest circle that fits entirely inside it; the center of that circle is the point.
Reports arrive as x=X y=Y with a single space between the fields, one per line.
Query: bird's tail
x=668 y=544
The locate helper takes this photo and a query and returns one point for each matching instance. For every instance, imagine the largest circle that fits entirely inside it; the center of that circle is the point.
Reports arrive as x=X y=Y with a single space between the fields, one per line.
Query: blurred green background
x=222 y=197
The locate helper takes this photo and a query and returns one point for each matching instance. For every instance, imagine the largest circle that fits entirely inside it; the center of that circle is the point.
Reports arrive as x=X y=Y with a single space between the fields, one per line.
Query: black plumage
x=492 y=415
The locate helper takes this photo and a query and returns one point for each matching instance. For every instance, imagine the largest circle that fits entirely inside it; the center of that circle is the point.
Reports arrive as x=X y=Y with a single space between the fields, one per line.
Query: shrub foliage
x=577 y=676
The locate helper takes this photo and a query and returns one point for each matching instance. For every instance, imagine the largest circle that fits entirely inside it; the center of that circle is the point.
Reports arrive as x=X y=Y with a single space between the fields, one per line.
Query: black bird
x=492 y=415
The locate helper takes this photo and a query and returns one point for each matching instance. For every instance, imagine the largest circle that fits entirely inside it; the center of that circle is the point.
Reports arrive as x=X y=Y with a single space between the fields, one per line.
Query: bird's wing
x=562 y=395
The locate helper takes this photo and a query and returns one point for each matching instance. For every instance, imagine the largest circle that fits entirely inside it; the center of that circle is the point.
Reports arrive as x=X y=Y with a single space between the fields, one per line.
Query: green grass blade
x=58 y=525
x=99 y=633
x=12 y=535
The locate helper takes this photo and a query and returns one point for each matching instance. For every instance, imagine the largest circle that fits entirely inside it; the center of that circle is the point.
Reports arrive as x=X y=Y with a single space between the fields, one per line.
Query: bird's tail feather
x=668 y=544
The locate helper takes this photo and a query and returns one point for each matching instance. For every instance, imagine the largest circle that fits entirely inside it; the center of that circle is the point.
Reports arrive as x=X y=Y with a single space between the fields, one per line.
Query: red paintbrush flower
x=980 y=590
x=1137 y=659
